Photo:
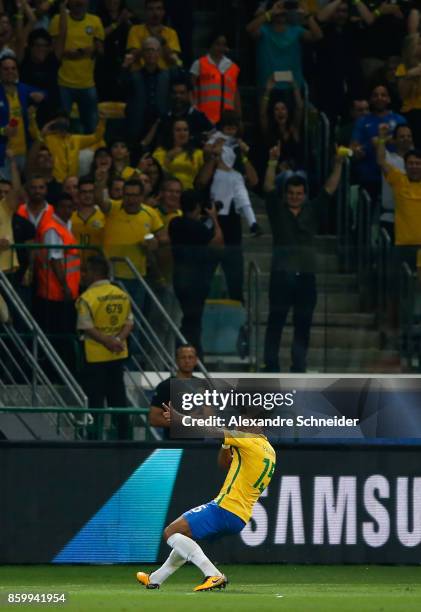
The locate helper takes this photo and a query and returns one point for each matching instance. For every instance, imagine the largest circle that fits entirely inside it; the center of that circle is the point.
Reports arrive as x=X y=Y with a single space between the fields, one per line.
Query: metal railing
x=29 y=362
x=253 y=313
x=384 y=263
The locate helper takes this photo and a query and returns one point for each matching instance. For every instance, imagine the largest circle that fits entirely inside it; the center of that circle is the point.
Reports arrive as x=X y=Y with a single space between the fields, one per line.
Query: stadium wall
x=108 y=503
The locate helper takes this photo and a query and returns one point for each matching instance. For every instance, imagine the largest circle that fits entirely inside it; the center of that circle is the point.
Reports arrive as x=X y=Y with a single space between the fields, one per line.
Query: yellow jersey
x=407 y=208
x=88 y=232
x=18 y=142
x=183 y=167
x=138 y=33
x=81 y=33
x=251 y=470
x=107 y=308
x=124 y=235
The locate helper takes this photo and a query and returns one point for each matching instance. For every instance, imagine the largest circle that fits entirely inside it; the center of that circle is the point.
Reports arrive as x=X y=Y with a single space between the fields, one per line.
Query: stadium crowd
x=115 y=137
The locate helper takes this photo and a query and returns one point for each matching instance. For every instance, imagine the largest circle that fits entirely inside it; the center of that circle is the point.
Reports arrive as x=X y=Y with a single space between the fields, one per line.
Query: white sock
x=171 y=565
x=191 y=551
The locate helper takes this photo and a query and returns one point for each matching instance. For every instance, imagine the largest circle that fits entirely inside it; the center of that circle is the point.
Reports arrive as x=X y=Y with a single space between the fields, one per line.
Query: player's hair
x=134 y=183
x=295 y=181
x=184 y=346
x=99 y=266
x=412 y=153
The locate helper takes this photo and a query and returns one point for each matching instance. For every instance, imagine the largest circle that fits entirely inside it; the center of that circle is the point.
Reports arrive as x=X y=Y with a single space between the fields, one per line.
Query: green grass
x=252 y=588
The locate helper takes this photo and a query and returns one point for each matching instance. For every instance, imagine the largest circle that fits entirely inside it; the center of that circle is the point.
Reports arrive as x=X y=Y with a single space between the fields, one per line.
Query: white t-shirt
x=223 y=65
x=388 y=200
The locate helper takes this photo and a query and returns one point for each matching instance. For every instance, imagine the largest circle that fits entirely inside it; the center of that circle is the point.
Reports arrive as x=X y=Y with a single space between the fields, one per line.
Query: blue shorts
x=209 y=521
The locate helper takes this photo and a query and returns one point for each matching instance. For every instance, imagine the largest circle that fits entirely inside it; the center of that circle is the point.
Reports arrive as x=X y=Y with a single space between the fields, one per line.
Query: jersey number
x=268 y=472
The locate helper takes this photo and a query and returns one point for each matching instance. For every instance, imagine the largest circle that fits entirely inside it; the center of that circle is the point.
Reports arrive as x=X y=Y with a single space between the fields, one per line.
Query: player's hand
x=358 y=151
x=244 y=148
x=114 y=344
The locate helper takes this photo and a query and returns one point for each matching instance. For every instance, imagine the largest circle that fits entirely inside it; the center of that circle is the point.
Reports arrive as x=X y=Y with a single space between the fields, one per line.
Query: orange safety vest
x=22 y=211
x=215 y=91
x=48 y=286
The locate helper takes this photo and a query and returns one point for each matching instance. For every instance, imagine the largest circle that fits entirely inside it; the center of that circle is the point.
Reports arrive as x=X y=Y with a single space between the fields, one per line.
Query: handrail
x=363 y=237
x=253 y=291
x=42 y=341
x=383 y=271
x=158 y=305
x=343 y=217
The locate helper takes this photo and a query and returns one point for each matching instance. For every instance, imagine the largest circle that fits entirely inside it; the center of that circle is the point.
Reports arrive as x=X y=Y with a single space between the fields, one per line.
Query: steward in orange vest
x=215 y=79
x=36 y=210
x=58 y=277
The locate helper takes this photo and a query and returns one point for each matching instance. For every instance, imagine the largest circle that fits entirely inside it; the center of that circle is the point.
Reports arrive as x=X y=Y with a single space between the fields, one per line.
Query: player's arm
x=225 y=457
x=176 y=419
x=158 y=417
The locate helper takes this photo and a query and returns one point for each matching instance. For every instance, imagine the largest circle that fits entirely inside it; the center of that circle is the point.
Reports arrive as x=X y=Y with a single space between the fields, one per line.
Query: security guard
x=105 y=320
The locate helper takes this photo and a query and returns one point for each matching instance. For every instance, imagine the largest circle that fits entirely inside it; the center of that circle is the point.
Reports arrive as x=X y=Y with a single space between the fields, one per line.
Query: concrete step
x=327 y=304
x=337 y=360
x=334 y=337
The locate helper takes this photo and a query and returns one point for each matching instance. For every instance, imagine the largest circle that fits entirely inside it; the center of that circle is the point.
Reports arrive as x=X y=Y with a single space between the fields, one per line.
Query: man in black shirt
x=294 y=222
x=186 y=360
x=191 y=236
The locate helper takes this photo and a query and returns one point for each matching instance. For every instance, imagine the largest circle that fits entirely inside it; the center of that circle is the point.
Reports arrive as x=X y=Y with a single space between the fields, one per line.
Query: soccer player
x=251 y=461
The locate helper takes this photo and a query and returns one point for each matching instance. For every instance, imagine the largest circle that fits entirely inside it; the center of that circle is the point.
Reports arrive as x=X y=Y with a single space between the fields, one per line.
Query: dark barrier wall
x=108 y=504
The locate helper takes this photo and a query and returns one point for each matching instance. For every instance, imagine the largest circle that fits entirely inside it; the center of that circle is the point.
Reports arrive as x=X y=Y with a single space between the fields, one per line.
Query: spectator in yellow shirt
x=65 y=146
x=178 y=156
x=153 y=26
x=78 y=37
x=88 y=220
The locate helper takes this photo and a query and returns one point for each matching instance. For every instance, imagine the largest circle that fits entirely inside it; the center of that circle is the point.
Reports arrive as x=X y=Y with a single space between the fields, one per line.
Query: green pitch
x=257 y=588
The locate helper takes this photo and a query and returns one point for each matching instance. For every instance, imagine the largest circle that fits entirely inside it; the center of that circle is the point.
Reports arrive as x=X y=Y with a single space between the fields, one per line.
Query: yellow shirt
x=407 y=196
x=16 y=143
x=78 y=73
x=413 y=101
x=251 y=470
x=65 y=150
x=89 y=231
x=107 y=308
x=183 y=167
x=128 y=172
x=124 y=236
x=8 y=258
x=137 y=35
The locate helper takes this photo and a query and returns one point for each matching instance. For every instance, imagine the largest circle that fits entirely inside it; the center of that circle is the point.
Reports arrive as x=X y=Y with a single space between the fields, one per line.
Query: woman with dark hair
x=102 y=160
x=178 y=156
x=116 y=21
x=215 y=80
x=153 y=169
x=280 y=124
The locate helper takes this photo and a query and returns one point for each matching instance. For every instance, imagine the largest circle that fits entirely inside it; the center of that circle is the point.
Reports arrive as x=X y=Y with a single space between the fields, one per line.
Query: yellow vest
x=109 y=307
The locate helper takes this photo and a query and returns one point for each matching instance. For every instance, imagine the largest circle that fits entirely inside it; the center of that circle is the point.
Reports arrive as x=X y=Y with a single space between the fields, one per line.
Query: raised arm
x=332 y=182
x=253 y=28
x=380 y=146
x=270 y=176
